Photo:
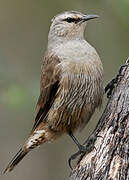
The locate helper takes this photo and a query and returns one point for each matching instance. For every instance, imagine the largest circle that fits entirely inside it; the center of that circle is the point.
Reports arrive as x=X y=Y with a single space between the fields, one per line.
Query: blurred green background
x=24 y=27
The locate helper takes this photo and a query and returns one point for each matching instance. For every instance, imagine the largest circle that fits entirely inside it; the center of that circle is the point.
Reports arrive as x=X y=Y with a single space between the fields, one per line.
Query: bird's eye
x=69 y=20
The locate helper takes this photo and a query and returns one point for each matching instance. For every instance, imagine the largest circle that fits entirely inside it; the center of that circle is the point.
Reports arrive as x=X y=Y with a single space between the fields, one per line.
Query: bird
x=71 y=83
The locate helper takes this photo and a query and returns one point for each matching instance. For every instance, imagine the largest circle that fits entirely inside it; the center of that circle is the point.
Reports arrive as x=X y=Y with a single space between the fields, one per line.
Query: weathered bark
x=109 y=160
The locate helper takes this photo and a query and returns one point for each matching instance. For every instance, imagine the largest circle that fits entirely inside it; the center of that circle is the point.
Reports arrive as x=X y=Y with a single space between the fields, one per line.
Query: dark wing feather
x=48 y=87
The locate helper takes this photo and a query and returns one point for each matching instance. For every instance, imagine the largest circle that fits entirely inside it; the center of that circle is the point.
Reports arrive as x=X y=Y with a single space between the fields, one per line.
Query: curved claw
x=111 y=85
x=82 y=150
x=74 y=156
x=98 y=136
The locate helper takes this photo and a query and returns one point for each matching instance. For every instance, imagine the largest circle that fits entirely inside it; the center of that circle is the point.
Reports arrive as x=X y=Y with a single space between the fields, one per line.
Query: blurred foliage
x=15 y=96
x=121 y=9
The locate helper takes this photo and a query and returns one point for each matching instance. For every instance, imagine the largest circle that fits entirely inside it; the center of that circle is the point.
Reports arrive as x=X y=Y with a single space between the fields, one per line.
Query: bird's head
x=69 y=25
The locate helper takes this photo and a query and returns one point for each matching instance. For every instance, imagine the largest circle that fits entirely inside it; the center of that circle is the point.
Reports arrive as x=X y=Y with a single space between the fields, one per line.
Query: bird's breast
x=80 y=92
x=77 y=51
x=80 y=88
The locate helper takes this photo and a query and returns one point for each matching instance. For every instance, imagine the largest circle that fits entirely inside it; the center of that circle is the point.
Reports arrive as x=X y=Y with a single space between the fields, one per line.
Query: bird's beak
x=88 y=17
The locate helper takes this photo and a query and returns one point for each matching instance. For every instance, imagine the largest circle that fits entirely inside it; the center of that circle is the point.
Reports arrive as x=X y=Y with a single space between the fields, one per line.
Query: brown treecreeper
x=71 y=85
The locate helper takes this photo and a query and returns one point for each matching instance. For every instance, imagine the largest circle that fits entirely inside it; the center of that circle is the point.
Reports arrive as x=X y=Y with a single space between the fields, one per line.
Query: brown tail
x=17 y=158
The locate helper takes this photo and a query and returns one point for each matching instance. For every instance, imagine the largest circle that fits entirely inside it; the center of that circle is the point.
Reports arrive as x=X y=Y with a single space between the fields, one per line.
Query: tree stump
x=108 y=158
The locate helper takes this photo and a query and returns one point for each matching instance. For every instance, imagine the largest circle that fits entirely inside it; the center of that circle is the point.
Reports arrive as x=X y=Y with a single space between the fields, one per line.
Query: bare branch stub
x=109 y=160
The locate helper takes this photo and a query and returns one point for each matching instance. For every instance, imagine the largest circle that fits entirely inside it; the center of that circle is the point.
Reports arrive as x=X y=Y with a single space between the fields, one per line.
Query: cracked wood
x=109 y=160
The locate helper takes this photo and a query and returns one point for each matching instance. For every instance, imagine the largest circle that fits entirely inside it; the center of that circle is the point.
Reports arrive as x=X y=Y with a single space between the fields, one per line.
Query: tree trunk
x=108 y=158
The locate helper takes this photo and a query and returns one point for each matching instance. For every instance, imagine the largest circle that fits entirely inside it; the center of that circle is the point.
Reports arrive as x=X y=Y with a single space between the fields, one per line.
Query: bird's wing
x=48 y=87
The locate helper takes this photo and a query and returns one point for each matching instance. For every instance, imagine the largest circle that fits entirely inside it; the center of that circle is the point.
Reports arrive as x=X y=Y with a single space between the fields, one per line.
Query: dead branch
x=108 y=158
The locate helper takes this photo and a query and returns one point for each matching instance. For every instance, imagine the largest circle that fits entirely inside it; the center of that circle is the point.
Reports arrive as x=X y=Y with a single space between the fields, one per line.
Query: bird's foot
x=82 y=150
x=86 y=148
x=111 y=85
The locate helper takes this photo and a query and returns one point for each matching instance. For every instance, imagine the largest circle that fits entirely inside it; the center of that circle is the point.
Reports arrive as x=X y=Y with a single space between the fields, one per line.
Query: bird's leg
x=89 y=145
x=75 y=140
x=82 y=149
x=111 y=85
